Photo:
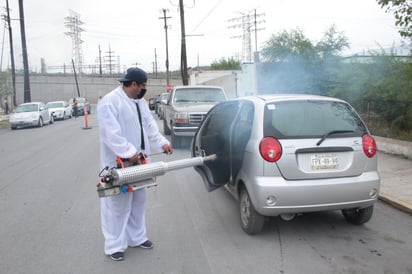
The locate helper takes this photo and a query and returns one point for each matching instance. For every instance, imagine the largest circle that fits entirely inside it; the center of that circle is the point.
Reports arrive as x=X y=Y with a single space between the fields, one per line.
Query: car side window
x=242 y=130
x=215 y=138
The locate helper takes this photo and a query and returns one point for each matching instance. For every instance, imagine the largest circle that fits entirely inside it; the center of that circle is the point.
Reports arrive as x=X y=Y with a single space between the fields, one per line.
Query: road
x=49 y=212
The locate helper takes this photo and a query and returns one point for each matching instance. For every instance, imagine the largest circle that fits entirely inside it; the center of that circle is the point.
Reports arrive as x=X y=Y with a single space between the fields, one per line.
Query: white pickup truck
x=186 y=108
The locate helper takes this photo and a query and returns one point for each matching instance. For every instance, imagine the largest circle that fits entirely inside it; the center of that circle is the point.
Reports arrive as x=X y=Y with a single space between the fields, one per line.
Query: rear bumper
x=313 y=195
x=184 y=131
x=24 y=123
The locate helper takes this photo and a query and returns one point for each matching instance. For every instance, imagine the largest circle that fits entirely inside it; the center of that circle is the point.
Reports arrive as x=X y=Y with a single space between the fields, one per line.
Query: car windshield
x=199 y=95
x=300 y=119
x=27 y=108
x=55 y=105
x=81 y=100
x=165 y=97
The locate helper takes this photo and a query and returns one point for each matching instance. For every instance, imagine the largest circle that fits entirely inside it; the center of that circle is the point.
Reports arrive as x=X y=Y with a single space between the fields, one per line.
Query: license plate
x=324 y=161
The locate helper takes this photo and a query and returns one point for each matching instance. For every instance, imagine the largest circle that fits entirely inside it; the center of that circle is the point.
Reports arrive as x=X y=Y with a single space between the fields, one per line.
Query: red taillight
x=369 y=145
x=270 y=149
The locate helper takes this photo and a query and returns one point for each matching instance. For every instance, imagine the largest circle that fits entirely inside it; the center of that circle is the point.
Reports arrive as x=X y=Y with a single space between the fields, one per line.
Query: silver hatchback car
x=281 y=155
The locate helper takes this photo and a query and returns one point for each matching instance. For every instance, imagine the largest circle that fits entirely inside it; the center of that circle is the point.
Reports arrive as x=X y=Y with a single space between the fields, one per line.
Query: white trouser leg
x=136 y=226
x=115 y=212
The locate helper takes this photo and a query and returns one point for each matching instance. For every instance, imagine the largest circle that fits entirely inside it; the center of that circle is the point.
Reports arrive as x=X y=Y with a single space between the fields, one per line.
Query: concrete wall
x=393 y=146
x=54 y=87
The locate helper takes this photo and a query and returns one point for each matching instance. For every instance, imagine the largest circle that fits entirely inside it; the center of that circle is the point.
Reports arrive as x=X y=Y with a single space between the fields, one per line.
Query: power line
x=73 y=23
x=248 y=23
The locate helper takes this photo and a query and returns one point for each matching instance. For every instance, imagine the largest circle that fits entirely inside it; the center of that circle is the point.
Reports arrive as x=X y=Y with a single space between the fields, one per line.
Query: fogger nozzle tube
x=142 y=172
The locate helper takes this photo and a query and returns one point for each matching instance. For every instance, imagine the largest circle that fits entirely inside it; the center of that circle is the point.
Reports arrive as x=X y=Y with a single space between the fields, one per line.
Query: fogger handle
x=142 y=172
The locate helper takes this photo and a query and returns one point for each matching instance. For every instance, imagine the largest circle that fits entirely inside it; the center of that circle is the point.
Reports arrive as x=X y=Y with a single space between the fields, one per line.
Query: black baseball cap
x=134 y=74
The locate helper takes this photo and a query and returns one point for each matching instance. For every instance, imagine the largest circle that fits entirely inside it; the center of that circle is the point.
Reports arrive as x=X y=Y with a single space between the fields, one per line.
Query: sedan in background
x=30 y=114
x=285 y=155
x=60 y=109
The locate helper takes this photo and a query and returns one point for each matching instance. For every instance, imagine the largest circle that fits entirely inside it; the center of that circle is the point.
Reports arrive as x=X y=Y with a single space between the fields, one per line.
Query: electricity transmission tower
x=73 y=23
x=248 y=23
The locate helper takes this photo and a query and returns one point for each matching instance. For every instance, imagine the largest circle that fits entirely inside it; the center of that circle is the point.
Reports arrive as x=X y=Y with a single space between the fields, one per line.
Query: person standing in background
x=6 y=107
x=74 y=106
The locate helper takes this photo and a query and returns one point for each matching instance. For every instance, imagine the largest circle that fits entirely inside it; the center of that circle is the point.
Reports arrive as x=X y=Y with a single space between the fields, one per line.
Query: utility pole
x=155 y=64
x=248 y=22
x=13 y=70
x=100 y=62
x=183 y=60
x=256 y=30
x=27 y=95
x=109 y=58
x=167 y=45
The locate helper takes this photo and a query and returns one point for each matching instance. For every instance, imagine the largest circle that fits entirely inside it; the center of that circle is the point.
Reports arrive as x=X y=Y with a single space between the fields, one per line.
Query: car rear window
x=310 y=118
x=199 y=95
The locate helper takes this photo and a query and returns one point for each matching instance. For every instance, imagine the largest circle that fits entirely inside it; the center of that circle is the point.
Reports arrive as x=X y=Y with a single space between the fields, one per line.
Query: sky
x=133 y=33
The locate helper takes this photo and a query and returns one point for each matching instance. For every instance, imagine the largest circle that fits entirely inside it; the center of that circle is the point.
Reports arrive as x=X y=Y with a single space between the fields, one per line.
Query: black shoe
x=147 y=244
x=118 y=256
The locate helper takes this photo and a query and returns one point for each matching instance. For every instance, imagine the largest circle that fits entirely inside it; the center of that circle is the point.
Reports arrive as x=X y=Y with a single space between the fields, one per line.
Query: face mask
x=142 y=93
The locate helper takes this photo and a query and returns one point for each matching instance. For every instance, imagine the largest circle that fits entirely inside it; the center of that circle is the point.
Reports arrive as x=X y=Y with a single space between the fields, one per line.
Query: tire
x=64 y=116
x=13 y=128
x=166 y=130
x=40 y=122
x=51 y=121
x=250 y=221
x=358 y=216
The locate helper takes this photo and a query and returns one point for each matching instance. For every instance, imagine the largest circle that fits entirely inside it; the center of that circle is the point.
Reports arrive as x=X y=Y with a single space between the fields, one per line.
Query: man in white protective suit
x=126 y=129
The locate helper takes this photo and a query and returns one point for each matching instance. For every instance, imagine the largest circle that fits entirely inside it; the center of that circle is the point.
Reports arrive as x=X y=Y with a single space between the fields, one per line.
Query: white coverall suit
x=123 y=215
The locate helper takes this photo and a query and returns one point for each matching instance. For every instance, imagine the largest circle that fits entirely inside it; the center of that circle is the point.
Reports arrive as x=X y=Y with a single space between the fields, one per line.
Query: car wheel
x=250 y=221
x=40 y=122
x=64 y=116
x=166 y=130
x=13 y=128
x=358 y=216
x=51 y=121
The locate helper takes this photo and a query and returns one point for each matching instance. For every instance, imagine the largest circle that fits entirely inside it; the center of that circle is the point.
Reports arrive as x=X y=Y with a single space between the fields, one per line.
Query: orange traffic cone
x=86 y=118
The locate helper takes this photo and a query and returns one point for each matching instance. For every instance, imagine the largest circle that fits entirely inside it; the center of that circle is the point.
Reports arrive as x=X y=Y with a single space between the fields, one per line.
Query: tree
x=402 y=10
x=5 y=88
x=225 y=64
x=288 y=46
x=332 y=43
x=300 y=64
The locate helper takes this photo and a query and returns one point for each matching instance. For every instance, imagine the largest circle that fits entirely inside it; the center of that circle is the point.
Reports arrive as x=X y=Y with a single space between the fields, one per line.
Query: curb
x=395 y=202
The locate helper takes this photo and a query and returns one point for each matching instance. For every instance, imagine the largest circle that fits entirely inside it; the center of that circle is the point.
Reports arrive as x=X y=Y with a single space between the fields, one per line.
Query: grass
x=385 y=130
x=4 y=123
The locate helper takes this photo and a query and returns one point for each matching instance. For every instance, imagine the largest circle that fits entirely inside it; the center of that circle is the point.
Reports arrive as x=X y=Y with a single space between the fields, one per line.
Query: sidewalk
x=396 y=180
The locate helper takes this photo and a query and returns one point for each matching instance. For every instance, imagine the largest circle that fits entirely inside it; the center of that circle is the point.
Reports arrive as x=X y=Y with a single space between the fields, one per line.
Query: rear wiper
x=331 y=133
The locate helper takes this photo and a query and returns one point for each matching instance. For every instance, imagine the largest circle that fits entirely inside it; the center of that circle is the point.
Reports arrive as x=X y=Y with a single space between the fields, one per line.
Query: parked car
x=81 y=103
x=282 y=155
x=151 y=103
x=60 y=109
x=186 y=108
x=30 y=114
x=163 y=98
